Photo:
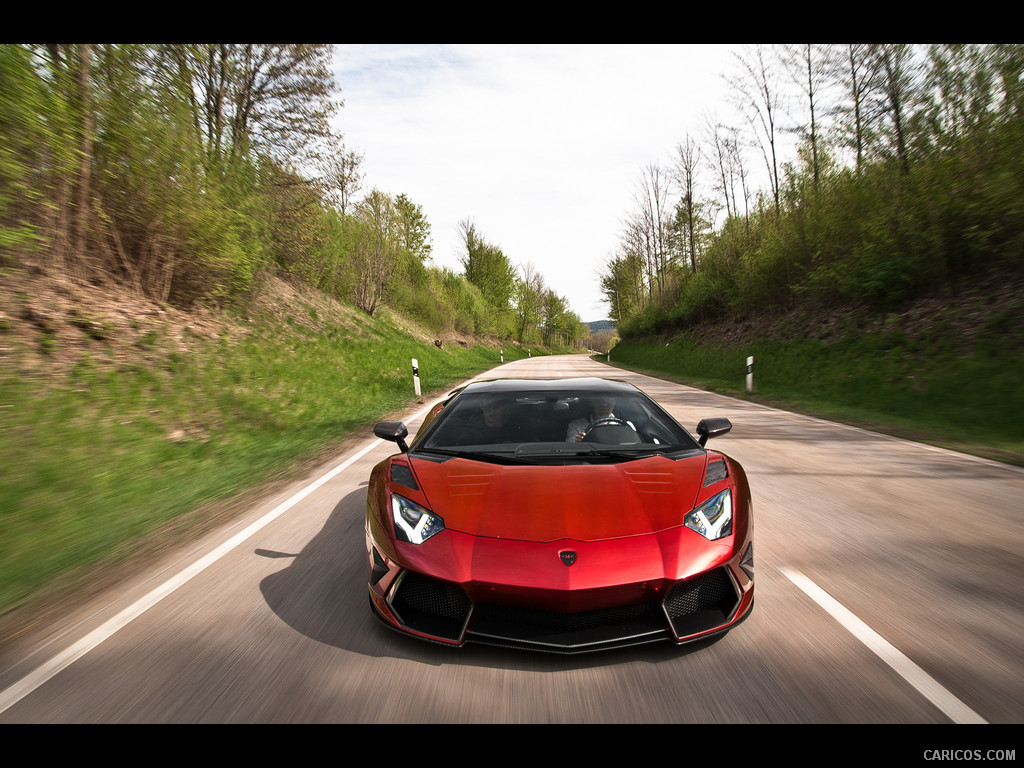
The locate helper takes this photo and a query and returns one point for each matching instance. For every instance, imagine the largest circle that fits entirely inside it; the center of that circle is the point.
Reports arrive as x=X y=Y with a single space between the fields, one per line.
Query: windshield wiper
x=627 y=452
x=493 y=458
x=582 y=451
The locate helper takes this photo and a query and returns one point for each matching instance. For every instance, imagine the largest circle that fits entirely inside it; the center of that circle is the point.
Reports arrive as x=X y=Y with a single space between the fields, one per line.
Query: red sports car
x=567 y=515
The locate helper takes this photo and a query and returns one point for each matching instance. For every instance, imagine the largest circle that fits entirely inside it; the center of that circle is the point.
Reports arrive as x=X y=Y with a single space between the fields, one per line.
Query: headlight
x=713 y=518
x=413 y=523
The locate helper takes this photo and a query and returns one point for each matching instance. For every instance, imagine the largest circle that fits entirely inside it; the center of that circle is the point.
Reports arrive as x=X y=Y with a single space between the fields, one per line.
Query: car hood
x=584 y=502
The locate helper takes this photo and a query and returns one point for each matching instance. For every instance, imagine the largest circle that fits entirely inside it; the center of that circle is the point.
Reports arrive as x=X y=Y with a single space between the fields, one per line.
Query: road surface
x=888 y=591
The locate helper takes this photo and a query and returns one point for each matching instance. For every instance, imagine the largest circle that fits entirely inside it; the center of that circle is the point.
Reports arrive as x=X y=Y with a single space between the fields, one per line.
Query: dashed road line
x=926 y=685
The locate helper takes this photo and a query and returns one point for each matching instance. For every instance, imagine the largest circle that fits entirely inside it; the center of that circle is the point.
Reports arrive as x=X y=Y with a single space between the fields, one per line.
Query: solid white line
x=49 y=669
x=955 y=709
x=20 y=689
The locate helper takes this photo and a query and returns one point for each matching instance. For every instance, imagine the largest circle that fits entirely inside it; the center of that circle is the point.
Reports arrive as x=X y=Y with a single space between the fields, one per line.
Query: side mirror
x=395 y=431
x=713 y=427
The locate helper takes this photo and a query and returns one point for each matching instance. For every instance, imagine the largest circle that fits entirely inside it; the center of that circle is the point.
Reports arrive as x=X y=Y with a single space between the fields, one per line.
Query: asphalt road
x=888 y=591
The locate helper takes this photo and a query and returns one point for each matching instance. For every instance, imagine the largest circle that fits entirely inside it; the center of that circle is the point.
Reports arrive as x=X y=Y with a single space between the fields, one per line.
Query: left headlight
x=713 y=518
x=413 y=523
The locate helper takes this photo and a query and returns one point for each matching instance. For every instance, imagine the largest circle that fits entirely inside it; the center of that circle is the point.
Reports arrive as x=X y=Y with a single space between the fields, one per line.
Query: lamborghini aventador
x=566 y=516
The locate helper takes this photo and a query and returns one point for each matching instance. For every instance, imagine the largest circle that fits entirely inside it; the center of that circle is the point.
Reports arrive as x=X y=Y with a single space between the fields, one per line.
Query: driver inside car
x=600 y=408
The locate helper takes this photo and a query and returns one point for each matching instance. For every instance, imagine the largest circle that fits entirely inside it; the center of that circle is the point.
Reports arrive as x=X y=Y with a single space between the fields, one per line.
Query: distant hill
x=601 y=325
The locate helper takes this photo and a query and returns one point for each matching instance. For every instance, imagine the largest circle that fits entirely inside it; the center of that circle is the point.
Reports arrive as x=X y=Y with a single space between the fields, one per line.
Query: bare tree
x=807 y=66
x=652 y=219
x=634 y=254
x=759 y=98
x=857 y=72
x=719 y=162
x=341 y=176
x=277 y=99
x=726 y=161
x=898 y=71
x=740 y=172
x=688 y=160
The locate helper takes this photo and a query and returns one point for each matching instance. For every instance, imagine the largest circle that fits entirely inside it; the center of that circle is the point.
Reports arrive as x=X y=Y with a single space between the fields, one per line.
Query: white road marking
x=46 y=671
x=927 y=686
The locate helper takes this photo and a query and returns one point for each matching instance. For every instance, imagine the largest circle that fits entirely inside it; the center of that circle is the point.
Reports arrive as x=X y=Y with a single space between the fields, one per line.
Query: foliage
x=931 y=200
x=24 y=138
x=191 y=172
x=489 y=269
x=165 y=167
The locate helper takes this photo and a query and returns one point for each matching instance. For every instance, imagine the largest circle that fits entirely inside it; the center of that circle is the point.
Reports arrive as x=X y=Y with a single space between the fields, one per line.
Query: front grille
x=554 y=621
x=430 y=606
x=442 y=610
x=702 y=603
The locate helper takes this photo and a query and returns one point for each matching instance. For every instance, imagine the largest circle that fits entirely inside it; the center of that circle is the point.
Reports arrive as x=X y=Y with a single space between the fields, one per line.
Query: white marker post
x=416 y=375
x=750 y=374
x=502 y=353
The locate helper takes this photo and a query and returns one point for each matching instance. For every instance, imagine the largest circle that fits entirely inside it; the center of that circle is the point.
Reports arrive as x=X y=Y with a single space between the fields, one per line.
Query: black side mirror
x=395 y=431
x=713 y=427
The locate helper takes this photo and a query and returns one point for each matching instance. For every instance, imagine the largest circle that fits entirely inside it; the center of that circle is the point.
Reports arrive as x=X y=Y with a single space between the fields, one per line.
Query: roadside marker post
x=416 y=375
x=750 y=374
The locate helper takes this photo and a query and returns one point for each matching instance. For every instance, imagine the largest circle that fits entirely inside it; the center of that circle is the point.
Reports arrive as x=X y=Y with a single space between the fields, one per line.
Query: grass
x=930 y=388
x=93 y=464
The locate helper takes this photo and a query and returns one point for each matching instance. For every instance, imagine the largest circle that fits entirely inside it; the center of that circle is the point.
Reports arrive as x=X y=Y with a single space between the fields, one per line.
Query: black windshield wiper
x=631 y=452
x=493 y=458
x=581 y=452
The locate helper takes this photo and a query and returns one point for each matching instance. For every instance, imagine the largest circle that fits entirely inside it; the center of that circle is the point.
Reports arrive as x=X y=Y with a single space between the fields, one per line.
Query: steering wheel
x=608 y=421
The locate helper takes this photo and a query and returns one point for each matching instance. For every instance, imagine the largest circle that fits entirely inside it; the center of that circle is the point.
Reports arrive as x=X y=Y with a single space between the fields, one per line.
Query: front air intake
x=429 y=606
x=702 y=603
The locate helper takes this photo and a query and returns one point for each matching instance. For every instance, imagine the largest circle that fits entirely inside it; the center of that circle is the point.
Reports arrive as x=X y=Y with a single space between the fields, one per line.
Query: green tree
x=24 y=142
x=487 y=267
x=414 y=229
x=528 y=302
x=377 y=250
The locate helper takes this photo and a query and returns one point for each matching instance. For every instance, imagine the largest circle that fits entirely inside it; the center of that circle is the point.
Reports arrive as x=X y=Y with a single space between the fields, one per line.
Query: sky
x=542 y=147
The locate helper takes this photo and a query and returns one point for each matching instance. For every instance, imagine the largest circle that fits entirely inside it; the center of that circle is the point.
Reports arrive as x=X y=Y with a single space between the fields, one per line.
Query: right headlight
x=713 y=518
x=413 y=523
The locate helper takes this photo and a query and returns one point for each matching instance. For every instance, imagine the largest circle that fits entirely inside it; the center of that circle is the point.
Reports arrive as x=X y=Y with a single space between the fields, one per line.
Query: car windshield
x=542 y=426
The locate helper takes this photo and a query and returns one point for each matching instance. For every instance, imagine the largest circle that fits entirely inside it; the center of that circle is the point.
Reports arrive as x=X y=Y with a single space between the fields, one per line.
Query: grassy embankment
x=96 y=463
x=932 y=386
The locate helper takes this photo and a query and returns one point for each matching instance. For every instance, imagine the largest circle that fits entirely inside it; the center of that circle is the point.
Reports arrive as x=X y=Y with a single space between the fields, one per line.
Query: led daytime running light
x=413 y=523
x=713 y=518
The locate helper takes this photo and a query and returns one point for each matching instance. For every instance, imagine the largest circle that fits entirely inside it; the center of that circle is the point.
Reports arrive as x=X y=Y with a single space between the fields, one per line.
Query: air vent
x=401 y=474
x=717 y=470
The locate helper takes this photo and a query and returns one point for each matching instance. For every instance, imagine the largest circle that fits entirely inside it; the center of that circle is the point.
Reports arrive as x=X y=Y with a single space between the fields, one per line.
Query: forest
x=190 y=173
x=906 y=182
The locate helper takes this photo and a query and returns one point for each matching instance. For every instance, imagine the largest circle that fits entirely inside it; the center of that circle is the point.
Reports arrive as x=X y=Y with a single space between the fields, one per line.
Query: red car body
x=551 y=544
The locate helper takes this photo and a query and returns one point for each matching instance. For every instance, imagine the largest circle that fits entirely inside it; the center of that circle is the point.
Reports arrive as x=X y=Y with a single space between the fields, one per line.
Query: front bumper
x=595 y=618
